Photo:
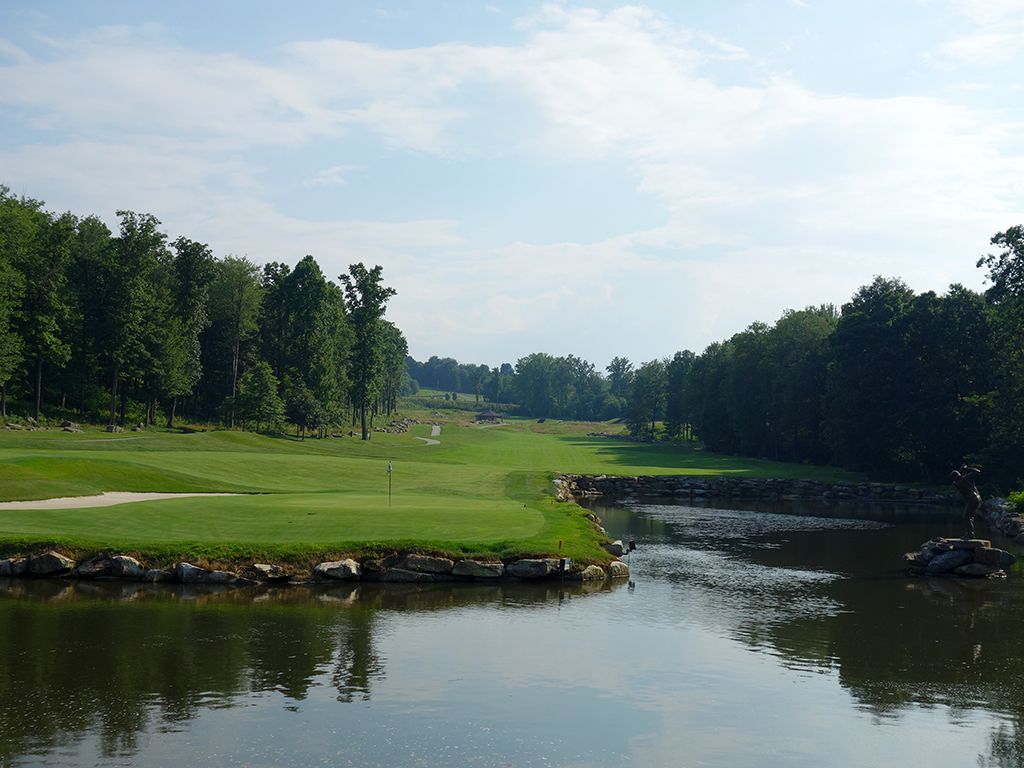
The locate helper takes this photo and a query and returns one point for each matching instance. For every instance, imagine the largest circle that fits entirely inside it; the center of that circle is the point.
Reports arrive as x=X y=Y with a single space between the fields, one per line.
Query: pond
x=748 y=635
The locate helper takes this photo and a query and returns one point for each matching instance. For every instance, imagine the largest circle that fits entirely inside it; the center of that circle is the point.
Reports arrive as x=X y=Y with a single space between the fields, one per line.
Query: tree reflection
x=118 y=660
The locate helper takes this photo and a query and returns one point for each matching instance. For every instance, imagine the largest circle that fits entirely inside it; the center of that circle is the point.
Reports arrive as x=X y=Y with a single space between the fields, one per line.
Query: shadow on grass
x=682 y=458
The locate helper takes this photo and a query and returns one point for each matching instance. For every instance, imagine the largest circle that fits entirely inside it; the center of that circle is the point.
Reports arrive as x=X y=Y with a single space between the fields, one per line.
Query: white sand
x=108 y=499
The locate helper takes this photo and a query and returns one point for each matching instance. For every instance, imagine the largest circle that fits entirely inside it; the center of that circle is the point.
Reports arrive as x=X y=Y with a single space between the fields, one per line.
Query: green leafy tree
x=235 y=296
x=258 y=398
x=676 y=423
x=366 y=299
x=20 y=221
x=647 y=398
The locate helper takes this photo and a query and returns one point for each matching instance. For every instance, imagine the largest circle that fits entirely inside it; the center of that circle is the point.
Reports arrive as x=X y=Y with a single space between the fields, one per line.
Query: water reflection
x=119 y=659
x=822 y=588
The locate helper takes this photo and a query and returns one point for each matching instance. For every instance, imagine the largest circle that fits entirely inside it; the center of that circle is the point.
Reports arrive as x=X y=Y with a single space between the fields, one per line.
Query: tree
x=258 y=399
x=44 y=307
x=647 y=398
x=366 y=299
x=19 y=222
x=234 y=303
x=129 y=296
x=620 y=377
x=675 y=388
x=868 y=396
x=192 y=272
x=1006 y=297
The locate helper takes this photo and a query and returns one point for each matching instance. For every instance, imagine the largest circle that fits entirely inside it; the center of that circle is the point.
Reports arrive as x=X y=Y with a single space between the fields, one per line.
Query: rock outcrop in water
x=972 y=558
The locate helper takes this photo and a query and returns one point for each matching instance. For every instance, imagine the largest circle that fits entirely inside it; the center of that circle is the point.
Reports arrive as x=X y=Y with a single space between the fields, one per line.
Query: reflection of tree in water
x=894 y=641
x=93 y=665
x=117 y=660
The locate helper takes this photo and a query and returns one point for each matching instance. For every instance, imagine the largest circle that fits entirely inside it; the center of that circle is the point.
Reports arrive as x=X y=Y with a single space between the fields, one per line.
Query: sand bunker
x=108 y=499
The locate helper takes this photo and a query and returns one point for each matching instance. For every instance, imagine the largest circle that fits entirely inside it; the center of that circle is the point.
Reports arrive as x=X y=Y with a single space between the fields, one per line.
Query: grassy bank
x=481 y=492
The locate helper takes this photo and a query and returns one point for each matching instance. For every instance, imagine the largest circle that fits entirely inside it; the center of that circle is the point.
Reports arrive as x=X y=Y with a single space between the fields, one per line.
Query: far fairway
x=481 y=491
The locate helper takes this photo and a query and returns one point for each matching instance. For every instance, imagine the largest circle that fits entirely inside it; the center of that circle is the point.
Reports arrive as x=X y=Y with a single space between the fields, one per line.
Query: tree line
x=132 y=325
x=894 y=383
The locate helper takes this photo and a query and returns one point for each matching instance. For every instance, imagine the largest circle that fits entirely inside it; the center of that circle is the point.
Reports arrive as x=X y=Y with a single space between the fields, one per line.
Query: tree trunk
x=362 y=419
x=113 y=396
x=170 y=417
x=63 y=400
x=39 y=385
x=234 y=377
x=3 y=399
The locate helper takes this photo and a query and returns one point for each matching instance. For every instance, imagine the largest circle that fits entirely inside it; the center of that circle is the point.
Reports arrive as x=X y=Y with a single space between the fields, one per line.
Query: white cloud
x=997 y=36
x=799 y=195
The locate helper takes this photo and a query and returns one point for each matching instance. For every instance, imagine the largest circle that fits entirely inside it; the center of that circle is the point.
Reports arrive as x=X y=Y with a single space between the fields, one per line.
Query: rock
x=618 y=570
x=222 y=577
x=339 y=570
x=402 y=576
x=157 y=575
x=999 y=558
x=590 y=573
x=947 y=561
x=273 y=574
x=93 y=568
x=14 y=566
x=13 y=426
x=478 y=570
x=615 y=548
x=50 y=564
x=532 y=568
x=426 y=564
x=187 y=573
x=969 y=543
x=977 y=570
x=114 y=428
x=126 y=567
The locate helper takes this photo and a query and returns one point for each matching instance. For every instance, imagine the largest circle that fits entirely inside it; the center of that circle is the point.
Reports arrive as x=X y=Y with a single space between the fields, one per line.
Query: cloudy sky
x=592 y=178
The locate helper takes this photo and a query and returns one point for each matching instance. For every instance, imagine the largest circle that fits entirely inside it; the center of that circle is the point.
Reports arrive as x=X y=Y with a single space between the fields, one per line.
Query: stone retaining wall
x=396 y=567
x=572 y=487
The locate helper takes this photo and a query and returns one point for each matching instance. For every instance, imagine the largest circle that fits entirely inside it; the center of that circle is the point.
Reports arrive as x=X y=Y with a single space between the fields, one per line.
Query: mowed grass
x=482 y=491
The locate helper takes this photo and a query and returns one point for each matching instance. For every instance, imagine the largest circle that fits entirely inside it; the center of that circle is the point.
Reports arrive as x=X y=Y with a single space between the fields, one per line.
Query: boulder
x=157 y=575
x=947 y=561
x=533 y=568
x=126 y=567
x=426 y=564
x=976 y=570
x=93 y=568
x=614 y=548
x=222 y=577
x=187 y=573
x=273 y=574
x=50 y=564
x=338 y=570
x=114 y=428
x=403 y=576
x=998 y=558
x=618 y=570
x=15 y=566
x=478 y=570
x=590 y=573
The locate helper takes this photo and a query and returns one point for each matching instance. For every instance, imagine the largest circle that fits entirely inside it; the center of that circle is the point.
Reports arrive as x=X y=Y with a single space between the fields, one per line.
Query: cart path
x=435 y=431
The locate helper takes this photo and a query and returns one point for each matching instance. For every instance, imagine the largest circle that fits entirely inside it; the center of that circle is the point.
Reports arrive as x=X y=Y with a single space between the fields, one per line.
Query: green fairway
x=483 y=491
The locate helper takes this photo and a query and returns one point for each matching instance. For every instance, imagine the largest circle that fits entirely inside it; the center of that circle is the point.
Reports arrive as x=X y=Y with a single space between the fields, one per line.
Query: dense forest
x=132 y=326
x=895 y=383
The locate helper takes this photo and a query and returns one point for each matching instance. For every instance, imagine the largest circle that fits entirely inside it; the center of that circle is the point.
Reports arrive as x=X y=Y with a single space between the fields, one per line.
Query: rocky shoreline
x=395 y=567
x=972 y=558
x=573 y=487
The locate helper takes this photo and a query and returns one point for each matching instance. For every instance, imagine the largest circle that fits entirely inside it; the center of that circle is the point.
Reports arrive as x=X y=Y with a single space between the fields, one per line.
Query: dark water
x=778 y=637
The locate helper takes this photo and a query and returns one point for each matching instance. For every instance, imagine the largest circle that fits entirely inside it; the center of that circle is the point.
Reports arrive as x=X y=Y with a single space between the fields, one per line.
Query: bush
x=1017 y=501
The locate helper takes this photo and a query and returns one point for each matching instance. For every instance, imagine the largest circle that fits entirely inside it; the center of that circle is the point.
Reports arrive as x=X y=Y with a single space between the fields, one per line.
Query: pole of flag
x=389 y=483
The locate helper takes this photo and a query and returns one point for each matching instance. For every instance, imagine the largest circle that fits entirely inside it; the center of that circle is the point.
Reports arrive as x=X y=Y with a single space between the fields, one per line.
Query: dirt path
x=108 y=499
x=435 y=431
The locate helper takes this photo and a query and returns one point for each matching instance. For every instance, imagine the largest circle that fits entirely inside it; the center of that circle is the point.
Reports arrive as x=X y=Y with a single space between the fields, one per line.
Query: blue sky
x=594 y=178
